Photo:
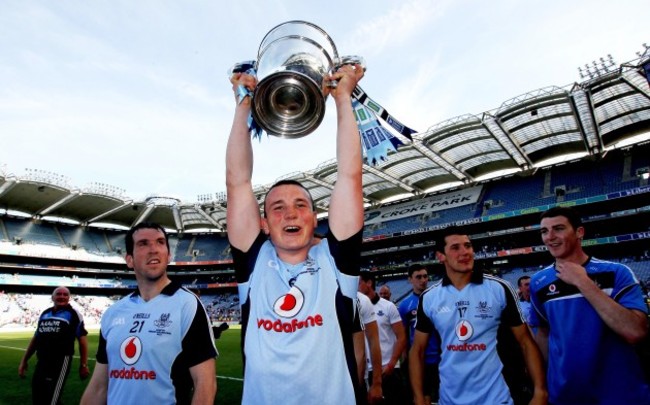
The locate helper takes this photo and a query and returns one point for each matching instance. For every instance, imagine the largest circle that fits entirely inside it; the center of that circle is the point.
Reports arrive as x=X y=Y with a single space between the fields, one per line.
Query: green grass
x=18 y=391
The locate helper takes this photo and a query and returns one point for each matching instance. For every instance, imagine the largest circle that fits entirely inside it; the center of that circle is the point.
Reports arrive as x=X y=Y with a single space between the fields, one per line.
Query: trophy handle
x=346 y=60
x=248 y=66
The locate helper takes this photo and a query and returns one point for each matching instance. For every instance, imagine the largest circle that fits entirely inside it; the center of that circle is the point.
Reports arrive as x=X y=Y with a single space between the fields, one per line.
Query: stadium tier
x=501 y=215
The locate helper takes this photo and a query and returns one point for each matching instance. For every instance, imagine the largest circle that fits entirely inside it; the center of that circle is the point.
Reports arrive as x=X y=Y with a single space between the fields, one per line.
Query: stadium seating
x=206 y=259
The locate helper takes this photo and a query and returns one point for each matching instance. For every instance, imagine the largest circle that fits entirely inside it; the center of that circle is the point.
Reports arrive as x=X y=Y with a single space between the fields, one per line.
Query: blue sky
x=134 y=94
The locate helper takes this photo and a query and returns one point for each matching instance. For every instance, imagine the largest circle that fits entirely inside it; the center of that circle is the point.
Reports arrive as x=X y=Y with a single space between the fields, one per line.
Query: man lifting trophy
x=298 y=292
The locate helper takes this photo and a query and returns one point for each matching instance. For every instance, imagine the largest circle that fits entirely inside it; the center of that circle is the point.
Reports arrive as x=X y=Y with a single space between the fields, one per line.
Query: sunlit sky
x=134 y=94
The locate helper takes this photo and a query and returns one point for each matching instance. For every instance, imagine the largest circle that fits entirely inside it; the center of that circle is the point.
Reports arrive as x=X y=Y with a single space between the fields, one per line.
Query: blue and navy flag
x=375 y=139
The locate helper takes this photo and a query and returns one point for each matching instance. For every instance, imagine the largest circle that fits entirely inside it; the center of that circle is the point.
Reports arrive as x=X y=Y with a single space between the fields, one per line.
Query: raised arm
x=243 y=213
x=346 y=204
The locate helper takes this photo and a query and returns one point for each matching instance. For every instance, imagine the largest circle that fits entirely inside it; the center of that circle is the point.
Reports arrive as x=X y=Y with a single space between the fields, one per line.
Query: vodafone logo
x=552 y=290
x=289 y=304
x=464 y=330
x=130 y=350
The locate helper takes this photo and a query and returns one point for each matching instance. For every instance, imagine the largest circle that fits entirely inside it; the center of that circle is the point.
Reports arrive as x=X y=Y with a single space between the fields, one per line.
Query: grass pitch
x=18 y=391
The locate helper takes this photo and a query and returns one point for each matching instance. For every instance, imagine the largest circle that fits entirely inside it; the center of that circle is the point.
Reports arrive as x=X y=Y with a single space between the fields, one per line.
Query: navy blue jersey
x=587 y=361
x=149 y=346
x=57 y=331
x=408 y=310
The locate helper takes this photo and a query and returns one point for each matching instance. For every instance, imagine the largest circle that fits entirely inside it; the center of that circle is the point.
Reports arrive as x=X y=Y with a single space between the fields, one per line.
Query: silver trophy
x=292 y=63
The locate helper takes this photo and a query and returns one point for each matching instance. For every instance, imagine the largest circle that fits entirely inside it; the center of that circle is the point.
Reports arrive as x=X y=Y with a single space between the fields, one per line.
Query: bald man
x=53 y=343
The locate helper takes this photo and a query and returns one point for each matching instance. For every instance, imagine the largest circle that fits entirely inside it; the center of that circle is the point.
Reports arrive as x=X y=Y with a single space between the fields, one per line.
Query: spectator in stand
x=392 y=340
x=466 y=309
x=418 y=277
x=53 y=343
x=384 y=292
x=590 y=313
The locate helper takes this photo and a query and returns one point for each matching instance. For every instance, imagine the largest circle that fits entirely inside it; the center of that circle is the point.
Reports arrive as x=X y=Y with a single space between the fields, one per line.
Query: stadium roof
x=609 y=108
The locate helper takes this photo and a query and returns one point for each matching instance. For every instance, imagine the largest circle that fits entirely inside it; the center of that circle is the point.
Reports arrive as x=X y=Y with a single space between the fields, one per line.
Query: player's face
x=150 y=254
x=384 y=293
x=419 y=280
x=61 y=297
x=561 y=240
x=290 y=222
x=459 y=254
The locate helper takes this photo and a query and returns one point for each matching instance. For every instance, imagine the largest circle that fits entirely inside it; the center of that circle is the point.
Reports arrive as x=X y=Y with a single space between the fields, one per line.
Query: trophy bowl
x=292 y=63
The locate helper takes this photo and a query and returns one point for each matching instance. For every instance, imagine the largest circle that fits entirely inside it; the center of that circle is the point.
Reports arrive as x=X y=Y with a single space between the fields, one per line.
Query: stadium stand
x=419 y=185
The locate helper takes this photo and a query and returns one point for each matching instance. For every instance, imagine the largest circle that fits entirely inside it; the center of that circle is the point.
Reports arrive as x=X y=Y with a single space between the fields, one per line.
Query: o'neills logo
x=133 y=374
x=289 y=327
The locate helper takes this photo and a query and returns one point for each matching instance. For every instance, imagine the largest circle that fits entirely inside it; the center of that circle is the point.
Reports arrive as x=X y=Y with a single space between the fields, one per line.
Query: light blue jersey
x=297 y=324
x=149 y=346
x=467 y=322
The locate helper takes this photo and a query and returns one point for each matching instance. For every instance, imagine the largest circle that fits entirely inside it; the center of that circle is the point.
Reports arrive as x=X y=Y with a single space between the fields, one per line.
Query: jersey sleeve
x=403 y=310
x=511 y=315
x=366 y=309
x=422 y=321
x=537 y=311
x=198 y=342
x=244 y=262
x=394 y=316
x=346 y=253
x=628 y=292
x=80 y=330
x=102 y=356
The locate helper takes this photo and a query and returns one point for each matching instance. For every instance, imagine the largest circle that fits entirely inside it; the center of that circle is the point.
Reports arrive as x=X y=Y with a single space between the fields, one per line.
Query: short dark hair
x=569 y=213
x=287 y=182
x=416 y=267
x=128 y=239
x=368 y=276
x=442 y=235
x=522 y=278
